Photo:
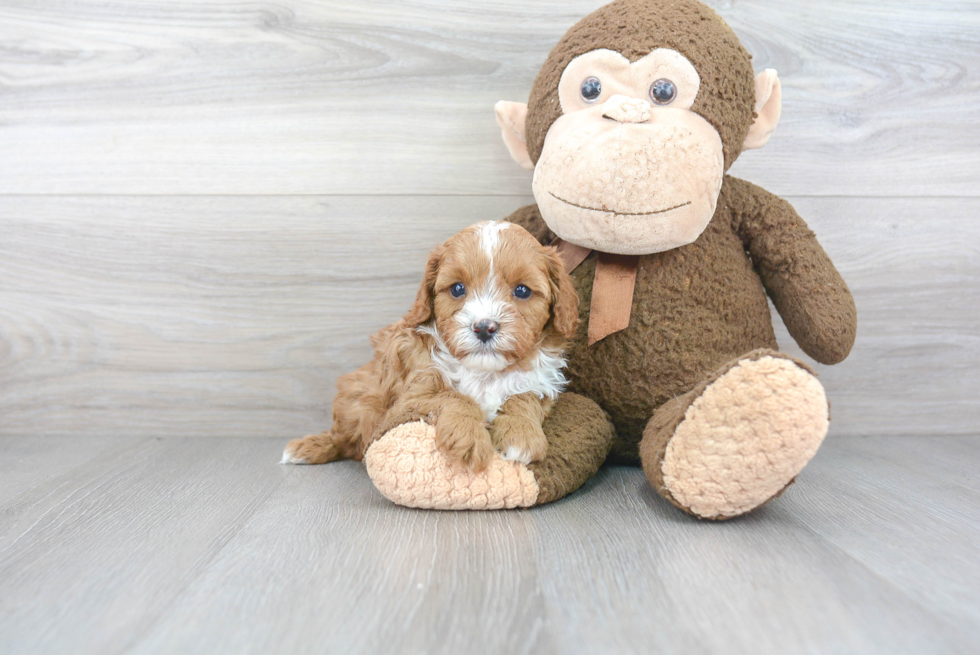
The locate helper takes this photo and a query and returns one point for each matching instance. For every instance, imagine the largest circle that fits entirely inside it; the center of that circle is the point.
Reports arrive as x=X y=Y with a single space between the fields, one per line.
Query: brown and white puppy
x=479 y=354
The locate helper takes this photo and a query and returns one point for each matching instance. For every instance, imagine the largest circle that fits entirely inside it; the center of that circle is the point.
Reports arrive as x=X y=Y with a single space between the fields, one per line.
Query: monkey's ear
x=768 y=107
x=510 y=118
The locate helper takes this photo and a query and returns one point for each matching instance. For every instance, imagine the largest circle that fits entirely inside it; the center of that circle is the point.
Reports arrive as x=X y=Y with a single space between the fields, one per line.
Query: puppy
x=479 y=356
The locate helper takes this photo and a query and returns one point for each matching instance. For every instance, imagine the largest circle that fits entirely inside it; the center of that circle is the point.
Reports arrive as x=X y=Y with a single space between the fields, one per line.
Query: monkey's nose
x=485 y=329
x=624 y=109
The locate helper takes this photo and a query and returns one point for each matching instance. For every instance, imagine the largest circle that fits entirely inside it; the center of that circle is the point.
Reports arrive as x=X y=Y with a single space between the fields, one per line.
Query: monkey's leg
x=406 y=467
x=739 y=438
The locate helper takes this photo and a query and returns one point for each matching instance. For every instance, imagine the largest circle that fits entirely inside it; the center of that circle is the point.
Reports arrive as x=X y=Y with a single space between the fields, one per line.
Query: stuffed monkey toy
x=631 y=125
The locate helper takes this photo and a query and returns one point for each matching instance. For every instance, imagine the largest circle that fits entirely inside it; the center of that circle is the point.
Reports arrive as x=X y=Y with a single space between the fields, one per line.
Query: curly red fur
x=420 y=361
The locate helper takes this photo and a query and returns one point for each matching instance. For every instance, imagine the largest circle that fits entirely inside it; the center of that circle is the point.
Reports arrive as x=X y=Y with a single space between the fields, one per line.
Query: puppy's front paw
x=519 y=439
x=465 y=441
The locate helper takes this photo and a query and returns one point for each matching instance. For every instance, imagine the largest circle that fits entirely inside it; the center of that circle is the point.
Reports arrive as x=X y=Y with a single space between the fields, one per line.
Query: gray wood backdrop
x=206 y=206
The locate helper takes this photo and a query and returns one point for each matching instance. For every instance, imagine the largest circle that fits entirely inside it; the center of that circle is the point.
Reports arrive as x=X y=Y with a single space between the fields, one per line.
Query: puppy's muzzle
x=485 y=329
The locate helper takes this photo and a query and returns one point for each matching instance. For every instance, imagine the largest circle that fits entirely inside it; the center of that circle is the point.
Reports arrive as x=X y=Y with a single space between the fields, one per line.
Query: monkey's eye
x=457 y=290
x=522 y=292
x=663 y=92
x=591 y=88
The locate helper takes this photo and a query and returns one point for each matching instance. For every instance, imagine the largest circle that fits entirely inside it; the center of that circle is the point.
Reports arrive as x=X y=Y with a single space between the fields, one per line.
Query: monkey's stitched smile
x=616 y=213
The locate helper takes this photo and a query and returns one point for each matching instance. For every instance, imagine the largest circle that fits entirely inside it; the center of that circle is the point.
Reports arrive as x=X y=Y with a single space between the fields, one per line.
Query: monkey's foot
x=409 y=470
x=739 y=439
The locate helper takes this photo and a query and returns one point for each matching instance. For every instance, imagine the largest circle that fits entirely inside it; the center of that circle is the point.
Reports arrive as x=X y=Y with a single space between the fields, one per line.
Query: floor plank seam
x=72 y=497
x=163 y=611
x=8 y=502
x=953 y=626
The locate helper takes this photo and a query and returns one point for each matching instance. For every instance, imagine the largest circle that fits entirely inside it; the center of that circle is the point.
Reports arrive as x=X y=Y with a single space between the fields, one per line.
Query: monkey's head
x=634 y=119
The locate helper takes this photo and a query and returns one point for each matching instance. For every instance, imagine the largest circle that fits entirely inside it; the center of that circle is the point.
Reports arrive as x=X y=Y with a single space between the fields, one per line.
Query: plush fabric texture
x=806 y=289
x=702 y=305
x=406 y=467
x=612 y=297
x=573 y=255
x=579 y=435
x=408 y=470
x=768 y=109
x=625 y=187
x=739 y=438
x=635 y=28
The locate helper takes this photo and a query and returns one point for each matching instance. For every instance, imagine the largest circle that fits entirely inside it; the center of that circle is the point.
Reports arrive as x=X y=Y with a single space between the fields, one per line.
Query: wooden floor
x=209 y=546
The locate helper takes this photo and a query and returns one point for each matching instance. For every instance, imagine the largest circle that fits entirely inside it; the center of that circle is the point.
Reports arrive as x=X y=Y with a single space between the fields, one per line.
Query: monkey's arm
x=530 y=219
x=806 y=289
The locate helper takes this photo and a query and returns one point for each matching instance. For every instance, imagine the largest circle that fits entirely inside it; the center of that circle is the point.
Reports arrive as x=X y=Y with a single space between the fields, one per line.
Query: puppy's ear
x=424 y=307
x=564 y=300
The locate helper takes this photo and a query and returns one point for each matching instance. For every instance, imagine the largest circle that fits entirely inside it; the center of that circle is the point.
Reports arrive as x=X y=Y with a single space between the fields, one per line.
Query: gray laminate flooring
x=176 y=545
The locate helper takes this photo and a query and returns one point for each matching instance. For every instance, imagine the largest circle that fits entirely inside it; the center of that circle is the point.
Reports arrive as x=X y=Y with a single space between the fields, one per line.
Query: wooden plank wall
x=206 y=206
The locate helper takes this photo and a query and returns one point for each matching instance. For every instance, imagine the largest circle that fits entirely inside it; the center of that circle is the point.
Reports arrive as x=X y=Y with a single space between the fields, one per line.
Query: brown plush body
x=697 y=307
x=631 y=127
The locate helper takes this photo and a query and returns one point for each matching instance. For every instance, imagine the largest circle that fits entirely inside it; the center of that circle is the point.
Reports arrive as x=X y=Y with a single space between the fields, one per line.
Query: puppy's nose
x=485 y=329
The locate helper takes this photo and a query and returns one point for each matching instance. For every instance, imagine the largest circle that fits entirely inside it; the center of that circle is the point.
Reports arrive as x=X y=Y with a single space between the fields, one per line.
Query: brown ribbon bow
x=612 y=290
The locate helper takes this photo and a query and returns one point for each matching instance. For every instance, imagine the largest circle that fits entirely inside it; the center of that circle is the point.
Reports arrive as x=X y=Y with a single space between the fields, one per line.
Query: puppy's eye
x=591 y=89
x=457 y=290
x=522 y=292
x=663 y=92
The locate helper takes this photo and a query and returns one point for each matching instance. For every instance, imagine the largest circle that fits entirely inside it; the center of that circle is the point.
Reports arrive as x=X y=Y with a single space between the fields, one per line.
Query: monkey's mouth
x=617 y=213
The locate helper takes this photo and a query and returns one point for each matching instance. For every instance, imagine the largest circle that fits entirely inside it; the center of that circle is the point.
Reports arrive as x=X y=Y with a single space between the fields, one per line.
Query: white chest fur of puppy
x=490 y=389
x=478 y=375
x=479 y=354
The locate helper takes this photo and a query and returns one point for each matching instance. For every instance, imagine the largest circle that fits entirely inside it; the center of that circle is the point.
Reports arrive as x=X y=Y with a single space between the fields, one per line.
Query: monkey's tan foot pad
x=408 y=470
x=745 y=438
